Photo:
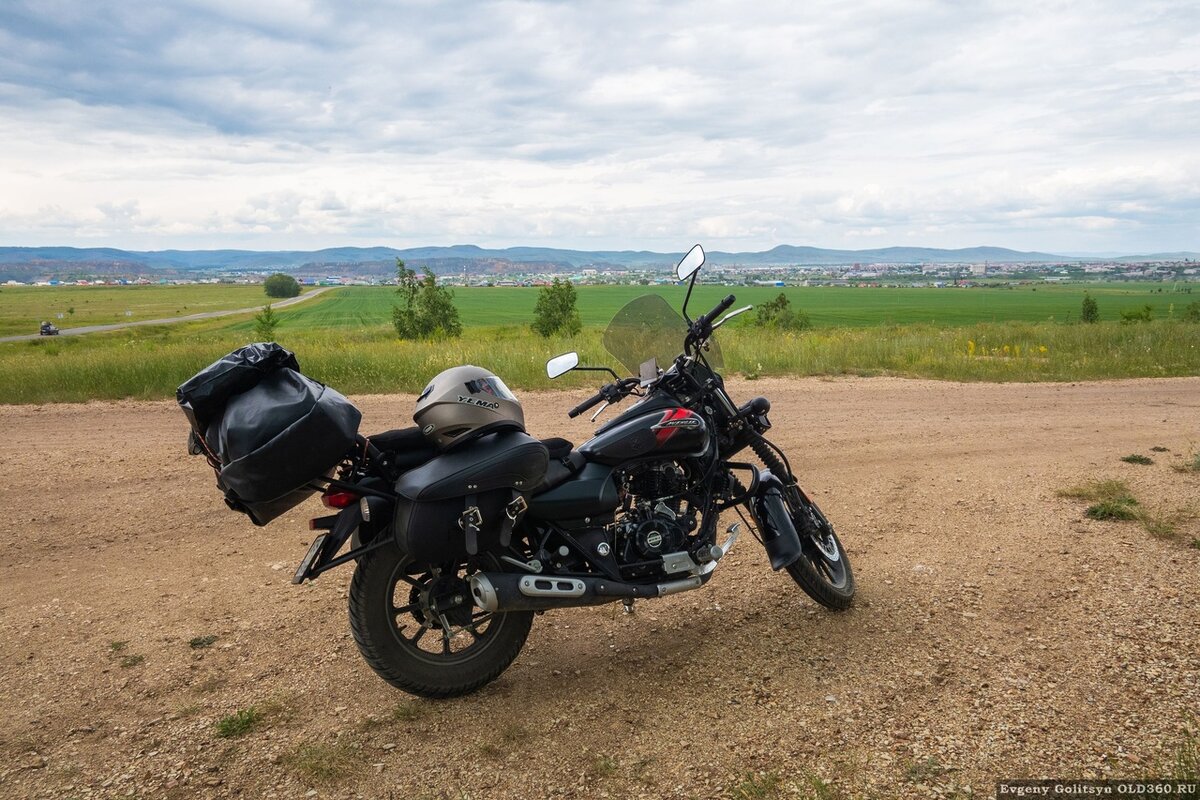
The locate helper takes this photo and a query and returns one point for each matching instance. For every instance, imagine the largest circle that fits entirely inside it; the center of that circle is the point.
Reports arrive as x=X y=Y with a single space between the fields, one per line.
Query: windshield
x=649 y=328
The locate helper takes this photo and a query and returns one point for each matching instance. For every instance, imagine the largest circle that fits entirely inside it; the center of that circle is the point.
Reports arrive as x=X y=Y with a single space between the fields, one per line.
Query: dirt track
x=996 y=630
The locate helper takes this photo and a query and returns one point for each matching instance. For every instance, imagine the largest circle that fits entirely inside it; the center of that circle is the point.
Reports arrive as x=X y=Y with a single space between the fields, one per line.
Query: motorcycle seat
x=405 y=448
x=565 y=461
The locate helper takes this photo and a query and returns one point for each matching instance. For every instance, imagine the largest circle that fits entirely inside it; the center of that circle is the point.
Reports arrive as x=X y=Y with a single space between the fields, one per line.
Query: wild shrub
x=555 y=311
x=427 y=310
x=778 y=314
x=281 y=285
x=1090 y=312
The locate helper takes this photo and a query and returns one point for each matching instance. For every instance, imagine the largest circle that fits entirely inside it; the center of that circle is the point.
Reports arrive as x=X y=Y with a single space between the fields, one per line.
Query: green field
x=830 y=306
x=23 y=308
x=345 y=339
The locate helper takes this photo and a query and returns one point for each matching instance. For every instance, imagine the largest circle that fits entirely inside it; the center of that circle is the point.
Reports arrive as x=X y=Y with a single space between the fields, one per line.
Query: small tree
x=555 y=311
x=1191 y=312
x=281 y=285
x=778 y=314
x=427 y=310
x=1090 y=312
x=264 y=323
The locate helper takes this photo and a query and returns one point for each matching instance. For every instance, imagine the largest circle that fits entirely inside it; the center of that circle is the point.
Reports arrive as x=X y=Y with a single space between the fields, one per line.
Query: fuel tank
x=649 y=430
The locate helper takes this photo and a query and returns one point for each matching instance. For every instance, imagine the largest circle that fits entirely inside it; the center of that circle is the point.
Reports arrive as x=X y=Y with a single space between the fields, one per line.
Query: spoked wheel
x=417 y=627
x=822 y=570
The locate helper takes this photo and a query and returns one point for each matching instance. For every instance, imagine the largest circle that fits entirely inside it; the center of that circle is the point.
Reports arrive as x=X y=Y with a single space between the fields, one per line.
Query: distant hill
x=26 y=263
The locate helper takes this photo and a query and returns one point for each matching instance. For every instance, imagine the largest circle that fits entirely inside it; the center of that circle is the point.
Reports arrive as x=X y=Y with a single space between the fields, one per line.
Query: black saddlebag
x=469 y=499
x=268 y=430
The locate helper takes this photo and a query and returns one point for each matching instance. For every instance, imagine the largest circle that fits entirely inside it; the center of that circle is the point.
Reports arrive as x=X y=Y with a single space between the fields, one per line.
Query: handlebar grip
x=585 y=405
x=708 y=318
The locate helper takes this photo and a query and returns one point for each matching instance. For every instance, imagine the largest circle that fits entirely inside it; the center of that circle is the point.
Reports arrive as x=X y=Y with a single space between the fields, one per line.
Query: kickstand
x=628 y=603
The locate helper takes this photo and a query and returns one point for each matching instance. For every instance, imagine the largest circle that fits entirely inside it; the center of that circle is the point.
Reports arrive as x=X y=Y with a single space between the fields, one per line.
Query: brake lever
x=731 y=315
x=600 y=410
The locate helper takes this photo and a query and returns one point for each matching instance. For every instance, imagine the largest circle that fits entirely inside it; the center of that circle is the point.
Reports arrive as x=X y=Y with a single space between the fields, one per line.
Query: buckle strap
x=471 y=520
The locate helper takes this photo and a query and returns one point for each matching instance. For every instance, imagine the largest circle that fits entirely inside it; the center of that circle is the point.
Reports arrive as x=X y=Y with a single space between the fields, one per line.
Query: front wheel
x=822 y=570
x=417 y=627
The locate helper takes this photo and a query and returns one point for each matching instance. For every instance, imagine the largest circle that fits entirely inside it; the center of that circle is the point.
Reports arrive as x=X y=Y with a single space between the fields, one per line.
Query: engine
x=656 y=519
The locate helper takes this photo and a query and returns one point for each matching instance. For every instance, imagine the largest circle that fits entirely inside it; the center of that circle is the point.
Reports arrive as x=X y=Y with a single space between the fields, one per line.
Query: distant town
x=517 y=274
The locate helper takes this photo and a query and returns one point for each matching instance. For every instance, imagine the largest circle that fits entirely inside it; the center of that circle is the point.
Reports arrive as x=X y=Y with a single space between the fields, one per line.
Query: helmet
x=462 y=403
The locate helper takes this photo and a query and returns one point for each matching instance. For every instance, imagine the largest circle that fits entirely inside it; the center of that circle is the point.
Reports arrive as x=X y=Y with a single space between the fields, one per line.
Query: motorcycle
x=630 y=514
x=456 y=549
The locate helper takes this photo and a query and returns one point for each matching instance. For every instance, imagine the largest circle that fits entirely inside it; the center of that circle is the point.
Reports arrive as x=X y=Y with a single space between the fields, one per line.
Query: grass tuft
x=324 y=763
x=1190 y=465
x=132 y=661
x=924 y=770
x=1185 y=762
x=1111 y=510
x=1107 y=491
x=1137 y=458
x=201 y=642
x=117 y=647
x=407 y=712
x=757 y=786
x=238 y=723
x=604 y=766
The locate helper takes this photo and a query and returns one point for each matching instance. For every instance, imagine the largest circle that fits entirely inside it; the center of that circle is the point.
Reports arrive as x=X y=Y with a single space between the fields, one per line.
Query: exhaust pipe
x=508 y=591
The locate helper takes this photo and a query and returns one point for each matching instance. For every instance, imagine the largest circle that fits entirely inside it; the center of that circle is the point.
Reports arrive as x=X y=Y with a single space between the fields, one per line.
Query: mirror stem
x=688 y=296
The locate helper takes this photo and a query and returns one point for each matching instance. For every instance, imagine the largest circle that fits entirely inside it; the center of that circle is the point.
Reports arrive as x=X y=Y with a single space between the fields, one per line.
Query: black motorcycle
x=457 y=550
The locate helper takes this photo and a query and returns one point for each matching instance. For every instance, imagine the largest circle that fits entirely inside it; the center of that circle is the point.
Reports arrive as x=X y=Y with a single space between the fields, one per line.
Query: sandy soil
x=997 y=632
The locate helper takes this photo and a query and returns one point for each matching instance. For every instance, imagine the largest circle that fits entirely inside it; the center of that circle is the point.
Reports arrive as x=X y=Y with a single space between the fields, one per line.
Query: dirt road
x=997 y=632
x=168 y=320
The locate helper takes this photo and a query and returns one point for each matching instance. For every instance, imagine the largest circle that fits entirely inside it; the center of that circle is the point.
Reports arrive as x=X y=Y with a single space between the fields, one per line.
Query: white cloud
x=1053 y=127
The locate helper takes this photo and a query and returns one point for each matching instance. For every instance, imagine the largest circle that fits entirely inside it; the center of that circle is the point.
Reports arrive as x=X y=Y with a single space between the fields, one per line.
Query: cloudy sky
x=1066 y=127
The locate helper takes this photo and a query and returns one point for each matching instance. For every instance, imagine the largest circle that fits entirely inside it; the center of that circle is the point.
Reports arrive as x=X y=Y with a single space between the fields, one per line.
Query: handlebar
x=612 y=392
x=585 y=405
x=708 y=319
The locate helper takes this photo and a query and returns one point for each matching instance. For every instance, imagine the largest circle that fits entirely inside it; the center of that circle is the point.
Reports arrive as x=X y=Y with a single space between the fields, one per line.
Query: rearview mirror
x=560 y=365
x=690 y=263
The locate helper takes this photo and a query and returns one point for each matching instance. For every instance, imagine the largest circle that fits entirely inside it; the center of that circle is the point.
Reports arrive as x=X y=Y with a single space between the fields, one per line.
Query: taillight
x=338 y=499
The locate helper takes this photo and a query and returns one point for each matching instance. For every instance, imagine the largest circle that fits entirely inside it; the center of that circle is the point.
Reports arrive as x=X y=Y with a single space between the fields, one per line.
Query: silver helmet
x=464 y=402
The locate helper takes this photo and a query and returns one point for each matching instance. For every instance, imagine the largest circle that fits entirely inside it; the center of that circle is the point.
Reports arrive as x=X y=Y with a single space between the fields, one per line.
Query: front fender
x=775 y=526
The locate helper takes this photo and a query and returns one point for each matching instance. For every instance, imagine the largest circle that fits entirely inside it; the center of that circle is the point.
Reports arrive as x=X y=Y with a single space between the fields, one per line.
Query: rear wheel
x=822 y=570
x=417 y=627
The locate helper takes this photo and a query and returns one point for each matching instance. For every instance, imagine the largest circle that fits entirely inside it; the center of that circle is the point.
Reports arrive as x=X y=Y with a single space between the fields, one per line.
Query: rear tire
x=822 y=570
x=396 y=622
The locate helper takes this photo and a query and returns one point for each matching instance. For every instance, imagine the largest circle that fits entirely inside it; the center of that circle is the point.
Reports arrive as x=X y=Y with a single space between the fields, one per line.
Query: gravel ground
x=997 y=632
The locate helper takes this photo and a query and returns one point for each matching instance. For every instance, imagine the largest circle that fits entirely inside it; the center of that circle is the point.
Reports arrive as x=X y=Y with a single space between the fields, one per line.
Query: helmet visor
x=490 y=385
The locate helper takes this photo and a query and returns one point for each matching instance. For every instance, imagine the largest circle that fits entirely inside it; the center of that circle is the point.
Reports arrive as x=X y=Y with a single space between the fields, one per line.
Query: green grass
x=344 y=339
x=1112 y=500
x=23 y=308
x=238 y=723
x=1137 y=458
x=363 y=307
x=201 y=642
x=324 y=763
x=1109 y=510
x=757 y=786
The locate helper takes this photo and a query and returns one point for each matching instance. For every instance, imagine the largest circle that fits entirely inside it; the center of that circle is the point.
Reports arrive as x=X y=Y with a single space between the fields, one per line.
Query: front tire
x=822 y=570
x=416 y=625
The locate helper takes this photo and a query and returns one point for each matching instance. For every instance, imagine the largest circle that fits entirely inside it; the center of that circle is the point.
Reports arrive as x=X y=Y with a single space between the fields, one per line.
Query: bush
x=1090 y=312
x=778 y=314
x=281 y=285
x=1191 y=312
x=428 y=310
x=555 y=311
x=1144 y=314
